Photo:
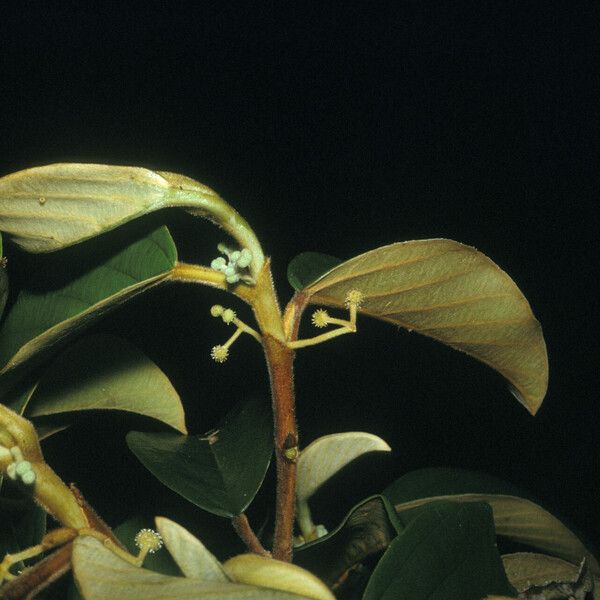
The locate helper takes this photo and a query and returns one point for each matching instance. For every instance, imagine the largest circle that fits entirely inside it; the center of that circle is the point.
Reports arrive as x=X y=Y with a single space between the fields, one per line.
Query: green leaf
x=308 y=267
x=219 y=472
x=104 y=372
x=54 y=206
x=190 y=554
x=515 y=516
x=41 y=320
x=454 y=294
x=366 y=530
x=447 y=553
x=527 y=569
x=101 y=574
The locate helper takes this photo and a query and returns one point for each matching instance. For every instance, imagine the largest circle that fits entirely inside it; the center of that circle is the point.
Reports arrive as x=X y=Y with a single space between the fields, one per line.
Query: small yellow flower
x=320 y=318
x=216 y=310
x=354 y=297
x=228 y=316
x=148 y=540
x=219 y=353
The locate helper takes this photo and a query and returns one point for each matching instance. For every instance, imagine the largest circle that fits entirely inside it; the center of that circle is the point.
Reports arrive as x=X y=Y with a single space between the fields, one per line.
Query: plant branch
x=246 y=533
x=280 y=360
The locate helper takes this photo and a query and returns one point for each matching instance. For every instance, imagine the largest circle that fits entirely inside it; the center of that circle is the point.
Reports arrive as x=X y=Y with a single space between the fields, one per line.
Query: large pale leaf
x=50 y=207
x=515 y=516
x=219 y=472
x=447 y=553
x=527 y=569
x=41 y=320
x=327 y=455
x=276 y=574
x=104 y=372
x=101 y=574
x=190 y=554
x=454 y=294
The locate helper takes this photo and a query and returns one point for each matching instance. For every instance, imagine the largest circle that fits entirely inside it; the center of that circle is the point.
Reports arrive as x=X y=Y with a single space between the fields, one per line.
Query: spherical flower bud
x=22 y=467
x=216 y=310
x=245 y=258
x=354 y=297
x=219 y=354
x=149 y=540
x=218 y=264
x=320 y=318
x=235 y=255
x=232 y=278
x=228 y=315
x=29 y=477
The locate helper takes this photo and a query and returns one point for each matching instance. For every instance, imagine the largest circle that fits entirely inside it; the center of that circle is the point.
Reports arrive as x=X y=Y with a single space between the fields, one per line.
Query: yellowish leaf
x=267 y=572
x=327 y=455
x=454 y=294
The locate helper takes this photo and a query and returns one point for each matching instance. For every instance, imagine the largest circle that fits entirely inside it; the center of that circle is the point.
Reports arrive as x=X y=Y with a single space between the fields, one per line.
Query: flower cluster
x=237 y=260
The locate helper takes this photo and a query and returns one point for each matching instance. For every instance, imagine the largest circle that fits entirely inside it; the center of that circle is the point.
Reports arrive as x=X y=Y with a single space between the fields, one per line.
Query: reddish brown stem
x=242 y=528
x=280 y=361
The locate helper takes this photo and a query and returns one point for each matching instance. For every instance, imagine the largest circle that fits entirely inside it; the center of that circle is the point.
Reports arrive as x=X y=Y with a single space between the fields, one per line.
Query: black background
x=340 y=127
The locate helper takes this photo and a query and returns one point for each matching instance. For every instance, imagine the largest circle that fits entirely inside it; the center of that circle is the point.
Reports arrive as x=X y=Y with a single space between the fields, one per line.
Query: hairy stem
x=280 y=360
x=246 y=533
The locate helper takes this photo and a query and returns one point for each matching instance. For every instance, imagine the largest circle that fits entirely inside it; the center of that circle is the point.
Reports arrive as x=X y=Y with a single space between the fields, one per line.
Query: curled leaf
x=267 y=572
x=454 y=294
x=54 y=206
x=189 y=552
x=101 y=574
x=327 y=455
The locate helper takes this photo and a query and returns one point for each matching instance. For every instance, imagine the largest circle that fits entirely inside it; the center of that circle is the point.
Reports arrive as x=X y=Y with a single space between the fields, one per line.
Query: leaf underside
x=515 y=515
x=454 y=294
x=327 y=455
x=101 y=574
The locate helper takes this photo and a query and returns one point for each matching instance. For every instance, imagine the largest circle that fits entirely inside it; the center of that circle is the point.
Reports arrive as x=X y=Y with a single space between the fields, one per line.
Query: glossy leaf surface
x=329 y=454
x=309 y=266
x=515 y=516
x=43 y=318
x=101 y=574
x=454 y=294
x=104 y=372
x=219 y=472
x=447 y=553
